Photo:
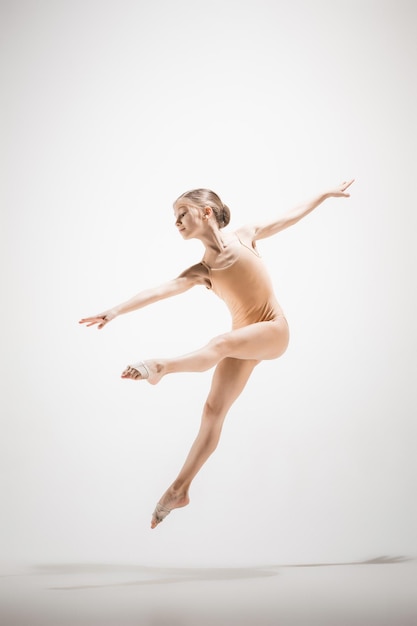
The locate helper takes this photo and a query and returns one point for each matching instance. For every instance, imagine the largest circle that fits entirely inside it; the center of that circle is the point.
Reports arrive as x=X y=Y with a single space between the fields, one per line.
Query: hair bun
x=225 y=215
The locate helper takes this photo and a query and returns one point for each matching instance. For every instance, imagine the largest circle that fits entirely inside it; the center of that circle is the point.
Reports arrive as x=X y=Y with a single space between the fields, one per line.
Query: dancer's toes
x=143 y=371
x=171 y=501
x=159 y=515
x=130 y=372
x=137 y=371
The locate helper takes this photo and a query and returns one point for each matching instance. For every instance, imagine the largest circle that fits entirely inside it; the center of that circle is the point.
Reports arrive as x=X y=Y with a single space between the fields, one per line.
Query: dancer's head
x=203 y=199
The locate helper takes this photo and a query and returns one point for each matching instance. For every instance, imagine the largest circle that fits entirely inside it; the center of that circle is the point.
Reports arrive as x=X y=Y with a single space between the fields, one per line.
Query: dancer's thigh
x=264 y=340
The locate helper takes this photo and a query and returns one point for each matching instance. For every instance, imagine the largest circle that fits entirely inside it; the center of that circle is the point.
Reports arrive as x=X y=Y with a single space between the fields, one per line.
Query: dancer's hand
x=101 y=319
x=340 y=190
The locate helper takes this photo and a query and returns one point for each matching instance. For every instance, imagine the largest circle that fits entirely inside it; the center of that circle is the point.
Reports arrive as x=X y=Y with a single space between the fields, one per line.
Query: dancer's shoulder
x=247 y=235
x=198 y=274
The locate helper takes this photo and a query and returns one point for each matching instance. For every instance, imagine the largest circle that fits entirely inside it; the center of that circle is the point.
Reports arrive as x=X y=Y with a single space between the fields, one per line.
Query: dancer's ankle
x=179 y=487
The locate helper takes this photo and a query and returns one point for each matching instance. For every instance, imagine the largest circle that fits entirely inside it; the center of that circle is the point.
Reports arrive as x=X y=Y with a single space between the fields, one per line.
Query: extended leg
x=264 y=340
x=230 y=378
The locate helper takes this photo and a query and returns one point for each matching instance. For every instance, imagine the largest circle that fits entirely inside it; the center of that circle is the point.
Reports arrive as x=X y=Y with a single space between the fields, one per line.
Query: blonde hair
x=203 y=198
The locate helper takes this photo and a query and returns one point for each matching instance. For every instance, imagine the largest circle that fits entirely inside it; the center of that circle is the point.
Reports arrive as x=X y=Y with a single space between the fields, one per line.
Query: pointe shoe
x=160 y=513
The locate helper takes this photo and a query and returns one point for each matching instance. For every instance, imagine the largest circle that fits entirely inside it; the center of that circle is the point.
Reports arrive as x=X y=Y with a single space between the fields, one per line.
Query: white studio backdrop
x=110 y=111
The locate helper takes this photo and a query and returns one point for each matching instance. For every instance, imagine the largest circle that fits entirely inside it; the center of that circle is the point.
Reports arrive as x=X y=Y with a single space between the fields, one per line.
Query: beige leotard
x=245 y=287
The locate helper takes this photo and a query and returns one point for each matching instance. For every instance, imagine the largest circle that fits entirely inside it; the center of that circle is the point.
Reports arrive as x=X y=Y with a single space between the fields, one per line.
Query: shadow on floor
x=165 y=575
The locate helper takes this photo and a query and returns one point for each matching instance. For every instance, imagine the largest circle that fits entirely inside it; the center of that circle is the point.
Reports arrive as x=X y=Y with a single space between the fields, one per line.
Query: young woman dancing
x=232 y=268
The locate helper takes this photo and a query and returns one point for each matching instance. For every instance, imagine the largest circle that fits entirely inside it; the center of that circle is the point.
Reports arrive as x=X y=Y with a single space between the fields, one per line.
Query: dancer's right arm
x=190 y=278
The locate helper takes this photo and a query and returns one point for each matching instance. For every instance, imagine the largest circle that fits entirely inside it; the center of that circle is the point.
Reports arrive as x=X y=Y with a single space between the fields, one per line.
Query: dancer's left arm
x=261 y=231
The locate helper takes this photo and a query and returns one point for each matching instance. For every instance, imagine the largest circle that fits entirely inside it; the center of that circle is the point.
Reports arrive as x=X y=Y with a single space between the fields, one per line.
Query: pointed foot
x=171 y=502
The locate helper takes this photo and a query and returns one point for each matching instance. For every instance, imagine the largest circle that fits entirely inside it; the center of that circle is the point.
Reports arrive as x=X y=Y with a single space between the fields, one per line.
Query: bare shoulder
x=247 y=235
x=197 y=274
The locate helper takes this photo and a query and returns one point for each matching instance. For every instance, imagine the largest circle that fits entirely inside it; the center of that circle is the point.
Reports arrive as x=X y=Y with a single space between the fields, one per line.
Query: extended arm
x=185 y=281
x=262 y=231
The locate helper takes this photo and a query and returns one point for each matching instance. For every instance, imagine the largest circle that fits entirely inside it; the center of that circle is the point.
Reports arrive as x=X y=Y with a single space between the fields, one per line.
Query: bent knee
x=215 y=409
x=221 y=344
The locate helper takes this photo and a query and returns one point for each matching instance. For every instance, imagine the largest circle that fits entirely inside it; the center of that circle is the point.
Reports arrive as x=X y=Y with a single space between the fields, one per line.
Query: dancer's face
x=188 y=219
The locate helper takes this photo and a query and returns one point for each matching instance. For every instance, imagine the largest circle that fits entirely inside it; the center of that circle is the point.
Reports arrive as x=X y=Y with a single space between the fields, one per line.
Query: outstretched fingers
x=100 y=320
x=345 y=185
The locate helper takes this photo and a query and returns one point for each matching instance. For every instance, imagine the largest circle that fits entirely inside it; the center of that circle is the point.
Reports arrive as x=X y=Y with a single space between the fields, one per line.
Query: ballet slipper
x=160 y=513
x=141 y=369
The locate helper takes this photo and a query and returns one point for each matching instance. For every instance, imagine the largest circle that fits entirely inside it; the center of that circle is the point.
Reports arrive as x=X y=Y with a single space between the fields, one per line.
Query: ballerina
x=232 y=268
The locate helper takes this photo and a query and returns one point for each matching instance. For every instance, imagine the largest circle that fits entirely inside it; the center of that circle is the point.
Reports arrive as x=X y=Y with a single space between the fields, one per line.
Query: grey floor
x=381 y=591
